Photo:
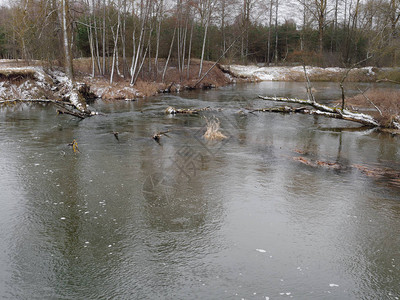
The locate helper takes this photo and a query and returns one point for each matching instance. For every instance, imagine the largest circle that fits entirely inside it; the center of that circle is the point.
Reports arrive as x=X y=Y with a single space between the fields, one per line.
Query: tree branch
x=326 y=111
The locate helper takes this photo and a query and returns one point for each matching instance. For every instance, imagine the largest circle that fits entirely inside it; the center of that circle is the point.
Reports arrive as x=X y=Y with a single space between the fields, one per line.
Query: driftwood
x=116 y=133
x=72 y=113
x=322 y=110
x=73 y=103
x=172 y=110
x=157 y=136
x=66 y=108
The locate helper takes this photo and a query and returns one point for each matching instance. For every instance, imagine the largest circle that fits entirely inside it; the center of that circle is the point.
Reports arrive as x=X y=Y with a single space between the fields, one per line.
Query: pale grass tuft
x=213 y=132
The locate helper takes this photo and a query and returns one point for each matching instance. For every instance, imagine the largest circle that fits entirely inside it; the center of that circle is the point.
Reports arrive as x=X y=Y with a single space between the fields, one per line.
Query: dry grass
x=213 y=132
x=386 y=100
x=148 y=88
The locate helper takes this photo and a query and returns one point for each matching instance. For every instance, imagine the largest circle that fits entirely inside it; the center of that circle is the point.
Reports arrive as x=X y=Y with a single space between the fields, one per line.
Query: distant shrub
x=392 y=74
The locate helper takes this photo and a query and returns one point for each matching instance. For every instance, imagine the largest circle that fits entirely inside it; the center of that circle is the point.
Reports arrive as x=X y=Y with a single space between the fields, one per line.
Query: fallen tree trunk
x=76 y=98
x=323 y=110
x=72 y=113
x=74 y=101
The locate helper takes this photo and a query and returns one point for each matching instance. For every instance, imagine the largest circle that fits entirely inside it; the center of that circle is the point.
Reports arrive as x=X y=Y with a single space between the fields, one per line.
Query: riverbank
x=22 y=80
x=35 y=79
x=296 y=73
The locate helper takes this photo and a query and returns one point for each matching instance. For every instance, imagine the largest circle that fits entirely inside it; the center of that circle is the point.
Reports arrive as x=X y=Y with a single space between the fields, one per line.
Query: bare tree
x=66 y=33
x=208 y=16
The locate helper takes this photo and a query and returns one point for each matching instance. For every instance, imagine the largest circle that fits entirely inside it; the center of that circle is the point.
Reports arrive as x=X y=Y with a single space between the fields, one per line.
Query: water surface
x=184 y=219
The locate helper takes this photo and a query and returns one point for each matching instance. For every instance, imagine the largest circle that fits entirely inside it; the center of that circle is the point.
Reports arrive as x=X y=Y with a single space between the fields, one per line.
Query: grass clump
x=213 y=132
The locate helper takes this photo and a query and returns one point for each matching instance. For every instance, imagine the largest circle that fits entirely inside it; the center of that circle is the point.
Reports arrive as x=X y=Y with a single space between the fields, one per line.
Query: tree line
x=123 y=37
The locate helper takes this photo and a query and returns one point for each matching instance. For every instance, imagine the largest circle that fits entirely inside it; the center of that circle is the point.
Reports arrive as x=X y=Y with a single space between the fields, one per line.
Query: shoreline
x=20 y=80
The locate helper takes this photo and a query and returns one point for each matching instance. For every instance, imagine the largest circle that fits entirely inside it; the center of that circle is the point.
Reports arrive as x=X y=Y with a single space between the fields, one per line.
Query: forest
x=125 y=37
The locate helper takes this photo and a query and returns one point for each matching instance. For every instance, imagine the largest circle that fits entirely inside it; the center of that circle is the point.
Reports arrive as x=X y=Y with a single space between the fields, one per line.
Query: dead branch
x=347 y=74
x=157 y=136
x=308 y=86
x=116 y=133
x=388 y=80
x=72 y=113
x=172 y=110
x=369 y=100
x=326 y=111
x=280 y=109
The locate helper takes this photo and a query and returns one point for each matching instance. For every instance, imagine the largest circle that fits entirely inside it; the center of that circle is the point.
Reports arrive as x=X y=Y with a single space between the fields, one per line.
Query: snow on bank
x=24 y=82
x=289 y=73
x=36 y=82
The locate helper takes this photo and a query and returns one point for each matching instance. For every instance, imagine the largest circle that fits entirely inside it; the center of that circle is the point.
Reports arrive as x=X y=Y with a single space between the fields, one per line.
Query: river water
x=288 y=206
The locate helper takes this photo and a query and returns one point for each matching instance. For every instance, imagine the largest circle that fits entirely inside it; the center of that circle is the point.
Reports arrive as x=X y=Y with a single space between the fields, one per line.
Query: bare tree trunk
x=159 y=13
x=133 y=53
x=276 y=32
x=138 y=52
x=90 y=35
x=179 y=28
x=104 y=38
x=115 y=52
x=184 y=47
x=189 y=51
x=123 y=41
x=97 y=40
x=205 y=37
x=142 y=62
x=269 y=33
x=223 y=25
x=66 y=40
x=169 y=55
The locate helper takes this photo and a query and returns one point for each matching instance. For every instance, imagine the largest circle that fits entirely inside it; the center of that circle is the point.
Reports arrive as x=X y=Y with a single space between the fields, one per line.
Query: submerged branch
x=172 y=110
x=157 y=136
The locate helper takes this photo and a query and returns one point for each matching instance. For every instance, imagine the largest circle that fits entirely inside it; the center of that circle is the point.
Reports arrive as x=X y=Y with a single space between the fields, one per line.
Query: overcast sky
x=288 y=10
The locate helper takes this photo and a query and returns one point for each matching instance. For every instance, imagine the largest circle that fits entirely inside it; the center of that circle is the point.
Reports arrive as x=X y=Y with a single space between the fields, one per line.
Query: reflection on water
x=131 y=218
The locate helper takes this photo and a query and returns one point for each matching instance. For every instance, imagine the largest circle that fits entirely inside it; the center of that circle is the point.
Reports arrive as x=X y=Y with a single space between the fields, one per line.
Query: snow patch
x=284 y=73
